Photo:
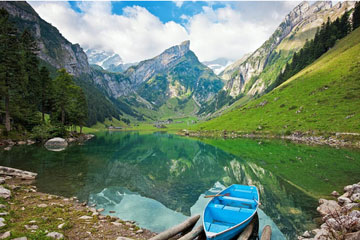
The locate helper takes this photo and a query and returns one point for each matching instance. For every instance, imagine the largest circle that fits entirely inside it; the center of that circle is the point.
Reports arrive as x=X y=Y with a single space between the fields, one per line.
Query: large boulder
x=56 y=144
x=328 y=207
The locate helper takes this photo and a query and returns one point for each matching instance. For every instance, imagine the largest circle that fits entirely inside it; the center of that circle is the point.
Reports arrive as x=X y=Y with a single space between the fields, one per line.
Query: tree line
x=325 y=38
x=28 y=93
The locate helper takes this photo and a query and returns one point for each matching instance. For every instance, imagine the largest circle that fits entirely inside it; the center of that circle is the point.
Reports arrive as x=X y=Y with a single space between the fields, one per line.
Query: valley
x=144 y=128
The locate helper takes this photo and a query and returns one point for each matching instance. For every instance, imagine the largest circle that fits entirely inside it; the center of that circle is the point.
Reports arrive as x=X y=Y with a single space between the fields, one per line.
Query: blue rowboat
x=230 y=211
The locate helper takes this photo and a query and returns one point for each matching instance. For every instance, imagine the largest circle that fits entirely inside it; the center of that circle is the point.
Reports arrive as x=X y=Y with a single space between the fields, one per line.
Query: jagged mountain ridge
x=113 y=88
x=244 y=77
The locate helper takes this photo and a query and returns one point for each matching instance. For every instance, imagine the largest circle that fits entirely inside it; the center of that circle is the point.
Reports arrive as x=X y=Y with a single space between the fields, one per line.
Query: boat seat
x=214 y=227
x=244 y=201
x=215 y=205
x=231 y=208
x=242 y=191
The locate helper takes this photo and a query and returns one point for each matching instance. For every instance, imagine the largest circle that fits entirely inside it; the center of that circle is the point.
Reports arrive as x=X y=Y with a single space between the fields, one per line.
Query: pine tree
x=9 y=64
x=356 y=15
x=62 y=93
x=45 y=90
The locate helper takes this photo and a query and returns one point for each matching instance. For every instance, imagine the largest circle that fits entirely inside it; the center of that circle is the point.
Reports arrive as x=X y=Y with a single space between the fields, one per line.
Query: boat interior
x=225 y=212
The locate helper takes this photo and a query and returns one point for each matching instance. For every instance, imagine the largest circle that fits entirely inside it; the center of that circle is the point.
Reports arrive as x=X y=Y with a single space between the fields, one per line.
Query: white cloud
x=137 y=34
x=178 y=3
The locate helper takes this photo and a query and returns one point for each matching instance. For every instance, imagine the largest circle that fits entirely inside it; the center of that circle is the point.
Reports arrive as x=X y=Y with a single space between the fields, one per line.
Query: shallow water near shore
x=159 y=179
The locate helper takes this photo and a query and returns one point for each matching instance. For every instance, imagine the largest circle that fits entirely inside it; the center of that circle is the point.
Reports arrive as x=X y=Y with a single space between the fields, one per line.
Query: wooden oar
x=217 y=195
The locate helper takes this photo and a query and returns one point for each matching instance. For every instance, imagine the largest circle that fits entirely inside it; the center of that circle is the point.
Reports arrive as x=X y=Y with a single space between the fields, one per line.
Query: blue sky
x=165 y=10
x=139 y=30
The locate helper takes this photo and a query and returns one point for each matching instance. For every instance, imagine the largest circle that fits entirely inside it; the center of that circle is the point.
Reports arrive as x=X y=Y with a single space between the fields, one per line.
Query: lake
x=159 y=179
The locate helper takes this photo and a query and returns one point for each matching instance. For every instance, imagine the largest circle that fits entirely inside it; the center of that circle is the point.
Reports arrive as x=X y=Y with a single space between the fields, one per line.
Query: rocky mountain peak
x=148 y=68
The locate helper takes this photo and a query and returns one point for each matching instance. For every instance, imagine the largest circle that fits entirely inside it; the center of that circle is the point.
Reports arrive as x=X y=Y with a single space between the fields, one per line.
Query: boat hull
x=227 y=215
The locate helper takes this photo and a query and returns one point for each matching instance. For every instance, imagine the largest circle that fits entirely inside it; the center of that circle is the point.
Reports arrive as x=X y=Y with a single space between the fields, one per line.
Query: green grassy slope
x=324 y=97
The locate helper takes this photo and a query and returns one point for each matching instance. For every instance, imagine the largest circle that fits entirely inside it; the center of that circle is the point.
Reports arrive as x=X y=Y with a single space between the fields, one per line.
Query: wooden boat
x=230 y=211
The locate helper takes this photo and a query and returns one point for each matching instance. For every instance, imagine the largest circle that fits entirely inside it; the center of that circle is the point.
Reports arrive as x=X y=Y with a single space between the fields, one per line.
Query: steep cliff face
x=253 y=74
x=148 y=68
x=54 y=48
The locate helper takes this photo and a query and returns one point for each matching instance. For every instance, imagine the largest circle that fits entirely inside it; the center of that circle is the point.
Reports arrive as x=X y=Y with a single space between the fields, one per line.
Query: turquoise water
x=159 y=179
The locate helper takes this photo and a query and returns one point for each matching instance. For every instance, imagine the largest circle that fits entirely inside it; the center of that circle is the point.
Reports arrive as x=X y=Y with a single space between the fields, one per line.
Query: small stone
x=32 y=221
x=131 y=229
x=123 y=238
x=2 y=180
x=343 y=200
x=355 y=197
x=355 y=213
x=20 y=238
x=85 y=217
x=139 y=231
x=4 y=213
x=4 y=193
x=306 y=234
x=61 y=225
x=353 y=236
x=5 y=235
x=2 y=224
x=335 y=194
x=100 y=209
x=32 y=227
x=7 y=148
x=83 y=204
x=348 y=188
x=101 y=217
x=2 y=206
x=95 y=214
x=112 y=212
x=116 y=223
x=93 y=205
x=55 y=235
x=42 y=205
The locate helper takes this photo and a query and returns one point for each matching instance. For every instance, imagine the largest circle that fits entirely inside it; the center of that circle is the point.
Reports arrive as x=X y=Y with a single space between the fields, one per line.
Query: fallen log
x=193 y=234
x=266 y=233
x=245 y=235
x=13 y=172
x=190 y=222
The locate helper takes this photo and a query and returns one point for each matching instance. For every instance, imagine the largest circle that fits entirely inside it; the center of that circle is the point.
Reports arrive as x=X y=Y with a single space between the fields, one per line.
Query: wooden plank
x=193 y=234
x=190 y=222
x=266 y=233
x=245 y=235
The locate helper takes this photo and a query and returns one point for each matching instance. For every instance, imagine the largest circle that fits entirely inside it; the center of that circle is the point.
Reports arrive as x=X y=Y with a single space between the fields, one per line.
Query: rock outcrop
x=54 y=48
x=341 y=218
x=244 y=76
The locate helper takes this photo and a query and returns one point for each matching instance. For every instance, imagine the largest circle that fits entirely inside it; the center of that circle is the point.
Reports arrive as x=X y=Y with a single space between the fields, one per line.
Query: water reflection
x=159 y=179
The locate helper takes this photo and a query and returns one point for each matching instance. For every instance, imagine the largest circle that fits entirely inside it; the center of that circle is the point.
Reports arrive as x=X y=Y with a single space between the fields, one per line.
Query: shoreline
x=337 y=140
x=27 y=213
x=340 y=217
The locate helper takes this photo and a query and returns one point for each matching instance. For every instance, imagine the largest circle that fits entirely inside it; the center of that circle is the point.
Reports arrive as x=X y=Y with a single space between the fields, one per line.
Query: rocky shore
x=26 y=213
x=7 y=144
x=351 y=140
x=341 y=217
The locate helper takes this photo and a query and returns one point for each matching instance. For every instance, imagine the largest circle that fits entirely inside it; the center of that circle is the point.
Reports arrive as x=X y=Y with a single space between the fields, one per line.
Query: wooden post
x=190 y=222
x=193 y=234
x=266 y=233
